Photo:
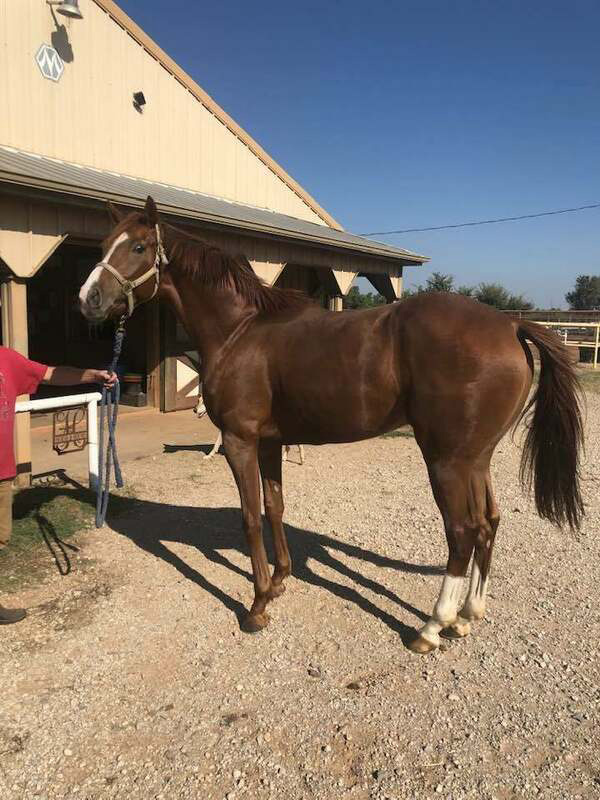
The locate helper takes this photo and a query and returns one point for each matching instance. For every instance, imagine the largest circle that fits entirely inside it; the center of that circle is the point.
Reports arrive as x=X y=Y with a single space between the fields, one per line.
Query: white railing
x=91 y=400
x=565 y=327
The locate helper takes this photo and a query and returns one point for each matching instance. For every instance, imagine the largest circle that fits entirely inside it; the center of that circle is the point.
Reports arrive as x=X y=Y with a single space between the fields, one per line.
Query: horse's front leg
x=269 y=459
x=242 y=457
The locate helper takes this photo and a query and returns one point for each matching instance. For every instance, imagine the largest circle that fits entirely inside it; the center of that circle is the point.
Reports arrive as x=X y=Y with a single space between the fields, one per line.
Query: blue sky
x=416 y=113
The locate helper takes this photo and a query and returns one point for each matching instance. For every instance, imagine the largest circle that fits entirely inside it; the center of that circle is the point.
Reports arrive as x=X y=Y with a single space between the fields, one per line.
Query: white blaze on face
x=92 y=278
x=95 y=274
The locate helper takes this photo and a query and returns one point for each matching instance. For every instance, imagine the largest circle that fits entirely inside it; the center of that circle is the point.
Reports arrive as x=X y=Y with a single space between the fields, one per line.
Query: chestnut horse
x=279 y=370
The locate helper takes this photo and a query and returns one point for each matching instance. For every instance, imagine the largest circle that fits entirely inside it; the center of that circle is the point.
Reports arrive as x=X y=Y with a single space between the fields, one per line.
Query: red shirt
x=18 y=375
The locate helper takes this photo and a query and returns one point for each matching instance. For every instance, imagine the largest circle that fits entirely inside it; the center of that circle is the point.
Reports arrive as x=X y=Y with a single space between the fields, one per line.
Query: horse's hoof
x=254 y=624
x=276 y=590
x=458 y=630
x=475 y=612
x=421 y=646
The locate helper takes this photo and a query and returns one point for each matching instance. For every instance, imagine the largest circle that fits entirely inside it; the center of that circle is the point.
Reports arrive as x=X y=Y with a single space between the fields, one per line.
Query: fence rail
x=551 y=315
x=91 y=401
x=592 y=341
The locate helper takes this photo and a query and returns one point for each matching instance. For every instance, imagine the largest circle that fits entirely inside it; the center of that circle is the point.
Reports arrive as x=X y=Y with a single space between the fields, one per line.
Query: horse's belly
x=346 y=418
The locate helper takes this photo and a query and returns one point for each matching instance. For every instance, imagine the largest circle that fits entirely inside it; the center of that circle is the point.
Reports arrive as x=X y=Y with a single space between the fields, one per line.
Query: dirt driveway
x=131 y=678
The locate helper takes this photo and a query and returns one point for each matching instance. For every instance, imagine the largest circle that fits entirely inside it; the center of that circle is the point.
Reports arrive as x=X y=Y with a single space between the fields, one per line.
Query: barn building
x=91 y=111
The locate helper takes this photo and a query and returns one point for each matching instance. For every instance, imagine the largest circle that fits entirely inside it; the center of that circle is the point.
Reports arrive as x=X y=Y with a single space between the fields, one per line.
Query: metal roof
x=26 y=169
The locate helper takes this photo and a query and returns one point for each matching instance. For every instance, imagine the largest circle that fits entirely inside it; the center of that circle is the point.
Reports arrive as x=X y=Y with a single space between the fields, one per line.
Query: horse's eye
x=139 y=248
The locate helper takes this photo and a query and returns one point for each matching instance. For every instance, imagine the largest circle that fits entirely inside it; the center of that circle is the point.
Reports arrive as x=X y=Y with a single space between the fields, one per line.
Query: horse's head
x=129 y=273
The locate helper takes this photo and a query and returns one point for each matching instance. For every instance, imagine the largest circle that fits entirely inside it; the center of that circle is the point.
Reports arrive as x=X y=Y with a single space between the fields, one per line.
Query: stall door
x=180 y=366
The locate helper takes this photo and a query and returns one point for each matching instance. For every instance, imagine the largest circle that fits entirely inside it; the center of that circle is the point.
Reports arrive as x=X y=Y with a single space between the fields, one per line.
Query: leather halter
x=128 y=286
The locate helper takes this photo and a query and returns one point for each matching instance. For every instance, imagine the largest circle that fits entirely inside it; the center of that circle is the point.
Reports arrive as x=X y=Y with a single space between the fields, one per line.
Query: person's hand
x=74 y=376
x=106 y=378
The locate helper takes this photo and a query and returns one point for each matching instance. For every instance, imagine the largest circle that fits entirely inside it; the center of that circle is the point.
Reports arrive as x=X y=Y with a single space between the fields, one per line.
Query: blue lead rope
x=109 y=407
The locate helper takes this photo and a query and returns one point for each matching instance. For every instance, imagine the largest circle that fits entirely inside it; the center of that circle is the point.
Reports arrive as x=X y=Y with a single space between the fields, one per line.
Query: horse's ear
x=115 y=214
x=151 y=212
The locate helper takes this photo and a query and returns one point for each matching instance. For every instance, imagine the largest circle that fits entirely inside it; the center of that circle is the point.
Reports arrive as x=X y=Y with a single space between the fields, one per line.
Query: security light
x=69 y=8
x=139 y=100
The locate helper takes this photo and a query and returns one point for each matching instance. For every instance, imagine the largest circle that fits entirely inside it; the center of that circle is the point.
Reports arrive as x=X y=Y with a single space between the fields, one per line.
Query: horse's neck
x=210 y=315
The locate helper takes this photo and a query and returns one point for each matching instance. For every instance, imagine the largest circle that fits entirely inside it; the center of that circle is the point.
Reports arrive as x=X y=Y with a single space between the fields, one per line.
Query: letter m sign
x=49 y=62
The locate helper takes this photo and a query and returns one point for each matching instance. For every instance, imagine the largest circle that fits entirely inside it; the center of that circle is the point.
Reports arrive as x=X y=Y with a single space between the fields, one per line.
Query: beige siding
x=31 y=230
x=29 y=234
x=88 y=116
x=268 y=250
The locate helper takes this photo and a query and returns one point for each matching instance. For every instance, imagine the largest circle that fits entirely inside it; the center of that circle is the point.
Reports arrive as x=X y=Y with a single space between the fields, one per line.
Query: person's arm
x=72 y=376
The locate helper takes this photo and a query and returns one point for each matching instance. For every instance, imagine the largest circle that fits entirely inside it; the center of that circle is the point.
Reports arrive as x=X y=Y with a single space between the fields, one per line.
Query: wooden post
x=388 y=284
x=398 y=283
x=4 y=313
x=596 y=346
x=153 y=353
x=14 y=335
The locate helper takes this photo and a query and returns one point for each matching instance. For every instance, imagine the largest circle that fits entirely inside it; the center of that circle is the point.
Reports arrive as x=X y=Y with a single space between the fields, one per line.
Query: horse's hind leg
x=474 y=607
x=269 y=459
x=460 y=491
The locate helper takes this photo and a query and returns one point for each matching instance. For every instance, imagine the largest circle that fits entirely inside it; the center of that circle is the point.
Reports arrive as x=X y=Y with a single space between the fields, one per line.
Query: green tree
x=438 y=282
x=356 y=299
x=494 y=294
x=586 y=294
x=518 y=302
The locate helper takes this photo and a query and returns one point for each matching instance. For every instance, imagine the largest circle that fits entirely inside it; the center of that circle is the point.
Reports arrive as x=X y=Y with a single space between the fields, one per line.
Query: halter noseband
x=128 y=286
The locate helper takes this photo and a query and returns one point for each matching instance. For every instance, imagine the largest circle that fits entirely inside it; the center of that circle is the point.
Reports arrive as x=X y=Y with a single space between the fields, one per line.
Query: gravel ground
x=131 y=678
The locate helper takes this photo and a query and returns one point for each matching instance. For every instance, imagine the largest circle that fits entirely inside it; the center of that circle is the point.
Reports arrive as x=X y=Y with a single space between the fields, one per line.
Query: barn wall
x=31 y=229
x=88 y=117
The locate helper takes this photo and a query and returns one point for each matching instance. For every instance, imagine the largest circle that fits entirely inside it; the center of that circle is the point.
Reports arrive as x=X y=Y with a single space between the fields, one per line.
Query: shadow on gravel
x=152 y=526
x=59 y=550
x=195 y=448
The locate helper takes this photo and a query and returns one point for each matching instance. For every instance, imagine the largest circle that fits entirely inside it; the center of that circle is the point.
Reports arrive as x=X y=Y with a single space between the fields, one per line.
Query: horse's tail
x=550 y=459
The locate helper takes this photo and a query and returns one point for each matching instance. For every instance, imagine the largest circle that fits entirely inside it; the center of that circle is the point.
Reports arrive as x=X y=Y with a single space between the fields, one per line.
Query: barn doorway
x=59 y=334
x=305 y=279
x=180 y=365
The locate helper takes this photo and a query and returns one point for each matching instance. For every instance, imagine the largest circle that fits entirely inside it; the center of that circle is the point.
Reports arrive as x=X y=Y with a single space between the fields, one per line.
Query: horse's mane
x=211 y=266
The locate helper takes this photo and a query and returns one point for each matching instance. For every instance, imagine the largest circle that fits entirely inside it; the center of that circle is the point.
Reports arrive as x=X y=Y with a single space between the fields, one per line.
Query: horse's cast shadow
x=194 y=448
x=151 y=526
